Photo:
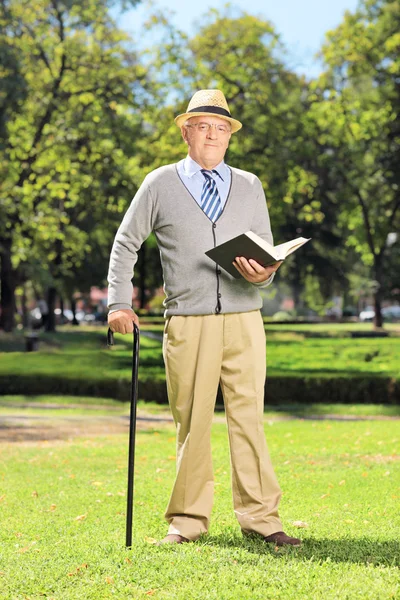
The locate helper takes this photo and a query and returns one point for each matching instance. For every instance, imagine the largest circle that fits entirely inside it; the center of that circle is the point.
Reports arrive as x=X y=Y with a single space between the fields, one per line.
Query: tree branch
x=32 y=154
x=41 y=51
x=394 y=211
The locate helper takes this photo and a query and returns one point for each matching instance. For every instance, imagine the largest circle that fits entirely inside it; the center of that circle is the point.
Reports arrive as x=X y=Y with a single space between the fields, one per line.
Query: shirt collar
x=191 y=167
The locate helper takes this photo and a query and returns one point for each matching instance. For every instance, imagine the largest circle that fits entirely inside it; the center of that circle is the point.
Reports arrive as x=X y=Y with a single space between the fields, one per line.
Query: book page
x=283 y=250
x=263 y=244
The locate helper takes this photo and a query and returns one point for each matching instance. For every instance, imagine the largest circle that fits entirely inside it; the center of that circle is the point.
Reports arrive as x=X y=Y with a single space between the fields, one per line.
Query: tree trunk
x=25 y=316
x=73 y=309
x=7 y=286
x=51 y=303
x=378 y=319
x=297 y=301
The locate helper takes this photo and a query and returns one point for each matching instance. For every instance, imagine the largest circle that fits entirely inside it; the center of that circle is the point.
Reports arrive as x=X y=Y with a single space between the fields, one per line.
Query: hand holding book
x=252 y=271
x=251 y=246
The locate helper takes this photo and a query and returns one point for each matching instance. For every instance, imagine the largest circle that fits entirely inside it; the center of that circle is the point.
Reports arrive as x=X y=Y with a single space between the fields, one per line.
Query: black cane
x=132 y=429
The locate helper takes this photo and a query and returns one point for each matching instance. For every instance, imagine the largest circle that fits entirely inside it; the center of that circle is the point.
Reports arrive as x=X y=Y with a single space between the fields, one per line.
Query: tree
x=275 y=143
x=356 y=104
x=66 y=148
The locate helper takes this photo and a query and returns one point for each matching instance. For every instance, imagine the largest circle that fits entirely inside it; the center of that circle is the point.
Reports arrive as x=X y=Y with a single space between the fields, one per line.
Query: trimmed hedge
x=331 y=390
x=278 y=390
x=119 y=389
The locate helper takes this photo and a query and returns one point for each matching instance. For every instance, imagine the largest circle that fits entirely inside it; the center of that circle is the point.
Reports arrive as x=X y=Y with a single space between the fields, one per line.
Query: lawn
x=291 y=350
x=63 y=519
x=305 y=363
x=41 y=406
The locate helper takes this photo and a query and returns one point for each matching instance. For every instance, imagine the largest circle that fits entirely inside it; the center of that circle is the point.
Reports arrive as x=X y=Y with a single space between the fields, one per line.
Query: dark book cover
x=242 y=245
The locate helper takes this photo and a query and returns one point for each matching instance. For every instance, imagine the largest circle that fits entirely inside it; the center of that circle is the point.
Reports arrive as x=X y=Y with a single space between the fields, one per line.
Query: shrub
x=278 y=390
x=282 y=315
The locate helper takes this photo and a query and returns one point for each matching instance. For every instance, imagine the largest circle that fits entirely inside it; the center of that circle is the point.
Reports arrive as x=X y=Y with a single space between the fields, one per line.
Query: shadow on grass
x=341 y=412
x=59 y=340
x=363 y=550
x=320 y=411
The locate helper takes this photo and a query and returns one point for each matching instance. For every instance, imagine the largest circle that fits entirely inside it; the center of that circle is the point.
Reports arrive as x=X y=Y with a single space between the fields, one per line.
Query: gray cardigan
x=193 y=283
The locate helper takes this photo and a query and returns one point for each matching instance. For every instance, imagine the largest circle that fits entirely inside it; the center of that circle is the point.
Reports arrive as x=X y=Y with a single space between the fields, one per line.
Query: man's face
x=207 y=145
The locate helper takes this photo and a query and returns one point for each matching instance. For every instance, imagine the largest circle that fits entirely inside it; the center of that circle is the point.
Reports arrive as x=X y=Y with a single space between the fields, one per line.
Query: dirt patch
x=20 y=428
x=381 y=459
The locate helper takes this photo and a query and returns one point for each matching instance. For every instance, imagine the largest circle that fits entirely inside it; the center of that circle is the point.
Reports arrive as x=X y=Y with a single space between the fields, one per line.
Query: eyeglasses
x=206 y=127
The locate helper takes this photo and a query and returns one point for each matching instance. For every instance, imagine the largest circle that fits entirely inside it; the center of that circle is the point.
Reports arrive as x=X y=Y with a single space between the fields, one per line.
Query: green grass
x=61 y=406
x=333 y=357
x=63 y=519
x=332 y=410
x=59 y=401
x=87 y=406
x=82 y=354
x=330 y=329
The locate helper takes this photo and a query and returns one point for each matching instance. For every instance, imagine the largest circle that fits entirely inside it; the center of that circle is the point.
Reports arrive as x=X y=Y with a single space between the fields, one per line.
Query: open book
x=250 y=245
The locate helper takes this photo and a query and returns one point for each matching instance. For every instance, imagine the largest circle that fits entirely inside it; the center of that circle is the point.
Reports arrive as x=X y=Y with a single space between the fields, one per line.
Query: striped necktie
x=210 y=200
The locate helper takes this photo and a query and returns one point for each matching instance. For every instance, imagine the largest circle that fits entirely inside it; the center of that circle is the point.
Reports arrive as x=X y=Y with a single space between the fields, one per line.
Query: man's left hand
x=252 y=271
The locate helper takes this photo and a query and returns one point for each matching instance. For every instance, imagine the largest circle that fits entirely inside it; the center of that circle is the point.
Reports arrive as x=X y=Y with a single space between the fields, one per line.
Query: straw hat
x=205 y=103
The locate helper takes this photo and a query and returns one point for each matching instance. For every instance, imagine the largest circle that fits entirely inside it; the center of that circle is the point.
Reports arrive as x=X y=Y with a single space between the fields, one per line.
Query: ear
x=184 y=134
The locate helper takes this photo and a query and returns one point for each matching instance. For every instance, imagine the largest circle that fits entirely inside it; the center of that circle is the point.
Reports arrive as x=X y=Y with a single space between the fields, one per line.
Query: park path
x=48 y=424
x=23 y=427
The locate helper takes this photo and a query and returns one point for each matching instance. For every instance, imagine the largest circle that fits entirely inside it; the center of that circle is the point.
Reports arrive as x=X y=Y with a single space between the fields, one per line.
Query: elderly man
x=214 y=331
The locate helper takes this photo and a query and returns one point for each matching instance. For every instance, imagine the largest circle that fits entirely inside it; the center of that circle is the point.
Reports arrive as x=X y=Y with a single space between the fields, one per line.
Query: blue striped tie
x=210 y=200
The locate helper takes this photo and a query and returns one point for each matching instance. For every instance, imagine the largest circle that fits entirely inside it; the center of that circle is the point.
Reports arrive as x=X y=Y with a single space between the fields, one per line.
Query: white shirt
x=193 y=179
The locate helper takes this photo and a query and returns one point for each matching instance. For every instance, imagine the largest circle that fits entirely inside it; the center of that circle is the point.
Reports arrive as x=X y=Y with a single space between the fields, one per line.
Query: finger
x=256 y=266
x=122 y=326
x=117 y=326
x=250 y=277
x=238 y=267
x=247 y=266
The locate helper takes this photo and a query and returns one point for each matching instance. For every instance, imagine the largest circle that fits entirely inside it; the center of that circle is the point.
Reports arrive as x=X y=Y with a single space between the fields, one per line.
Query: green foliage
x=312 y=292
x=67 y=161
x=277 y=141
x=300 y=368
x=282 y=315
x=356 y=106
x=85 y=116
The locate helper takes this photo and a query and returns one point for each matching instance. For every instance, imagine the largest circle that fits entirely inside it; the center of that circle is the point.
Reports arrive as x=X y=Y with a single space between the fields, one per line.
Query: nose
x=212 y=133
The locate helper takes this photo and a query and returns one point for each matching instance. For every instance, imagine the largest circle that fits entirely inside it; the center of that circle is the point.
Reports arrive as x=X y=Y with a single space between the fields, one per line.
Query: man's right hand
x=121 y=321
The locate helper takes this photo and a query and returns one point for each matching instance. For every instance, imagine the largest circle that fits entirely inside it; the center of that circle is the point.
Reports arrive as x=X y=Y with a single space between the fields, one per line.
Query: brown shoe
x=281 y=539
x=173 y=538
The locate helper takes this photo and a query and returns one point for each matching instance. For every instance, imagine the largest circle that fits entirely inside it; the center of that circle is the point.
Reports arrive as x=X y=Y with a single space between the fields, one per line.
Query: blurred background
x=89 y=90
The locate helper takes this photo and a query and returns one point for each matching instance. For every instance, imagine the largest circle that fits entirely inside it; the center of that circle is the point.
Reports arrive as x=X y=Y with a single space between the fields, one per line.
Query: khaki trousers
x=199 y=353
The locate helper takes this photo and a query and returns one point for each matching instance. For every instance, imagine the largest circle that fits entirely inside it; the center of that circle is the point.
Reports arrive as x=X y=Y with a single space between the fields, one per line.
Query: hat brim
x=181 y=119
